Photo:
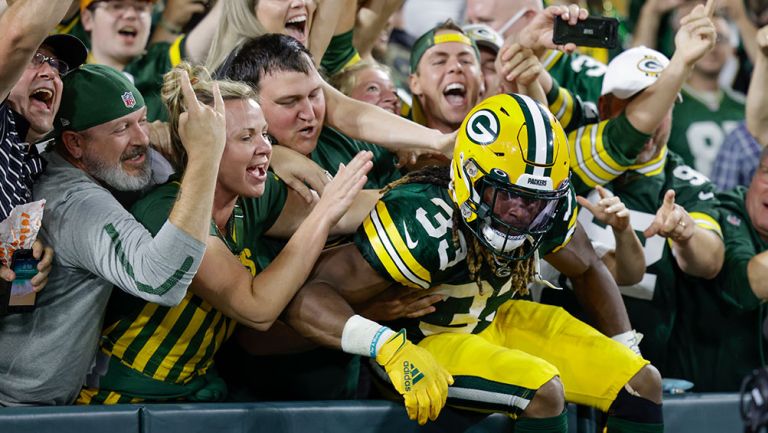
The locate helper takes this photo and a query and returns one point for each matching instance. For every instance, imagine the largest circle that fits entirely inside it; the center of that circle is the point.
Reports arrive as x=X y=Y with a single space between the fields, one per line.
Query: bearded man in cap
x=101 y=149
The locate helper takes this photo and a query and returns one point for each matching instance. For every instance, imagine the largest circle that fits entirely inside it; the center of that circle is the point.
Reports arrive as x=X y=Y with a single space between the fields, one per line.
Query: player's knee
x=647 y=383
x=549 y=400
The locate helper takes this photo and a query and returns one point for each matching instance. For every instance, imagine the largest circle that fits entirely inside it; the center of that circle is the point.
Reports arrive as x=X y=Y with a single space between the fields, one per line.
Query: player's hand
x=416 y=375
x=399 y=301
x=608 y=210
x=537 y=35
x=671 y=221
x=298 y=171
x=697 y=34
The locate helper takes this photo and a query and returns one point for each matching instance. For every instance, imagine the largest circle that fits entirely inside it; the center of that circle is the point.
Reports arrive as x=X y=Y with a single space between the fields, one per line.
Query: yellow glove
x=416 y=375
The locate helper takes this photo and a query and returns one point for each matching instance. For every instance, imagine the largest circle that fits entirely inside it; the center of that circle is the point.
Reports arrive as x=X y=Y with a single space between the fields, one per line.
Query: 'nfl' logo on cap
x=128 y=99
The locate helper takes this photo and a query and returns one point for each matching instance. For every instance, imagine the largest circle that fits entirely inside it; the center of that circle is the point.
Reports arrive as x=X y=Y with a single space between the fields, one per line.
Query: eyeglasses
x=59 y=65
x=121 y=7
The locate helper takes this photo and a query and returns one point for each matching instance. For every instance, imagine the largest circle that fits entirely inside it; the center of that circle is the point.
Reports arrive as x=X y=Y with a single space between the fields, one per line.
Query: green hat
x=95 y=94
x=430 y=39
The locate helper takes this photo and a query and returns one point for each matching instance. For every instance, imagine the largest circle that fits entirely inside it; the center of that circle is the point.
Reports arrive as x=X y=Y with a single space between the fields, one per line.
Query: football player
x=477 y=230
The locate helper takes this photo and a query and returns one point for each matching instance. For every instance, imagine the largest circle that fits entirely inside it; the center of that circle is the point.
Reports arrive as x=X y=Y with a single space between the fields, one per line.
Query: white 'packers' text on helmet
x=510 y=173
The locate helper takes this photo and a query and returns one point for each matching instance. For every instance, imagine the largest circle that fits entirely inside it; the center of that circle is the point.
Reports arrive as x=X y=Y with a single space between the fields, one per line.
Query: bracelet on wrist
x=170 y=28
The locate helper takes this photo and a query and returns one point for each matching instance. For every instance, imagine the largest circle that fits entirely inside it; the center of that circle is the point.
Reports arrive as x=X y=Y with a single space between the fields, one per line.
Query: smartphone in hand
x=601 y=32
x=22 y=297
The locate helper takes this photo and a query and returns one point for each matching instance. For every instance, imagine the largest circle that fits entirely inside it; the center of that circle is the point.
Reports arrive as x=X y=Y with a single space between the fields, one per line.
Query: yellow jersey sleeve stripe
x=175 y=51
x=381 y=252
x=707 y=222
x=353 y=61
x=552 y=57
x=399 y=243
x=654 y=166
x=67 y=28
x=593 y=164
x=393 y=253
x=565 y=115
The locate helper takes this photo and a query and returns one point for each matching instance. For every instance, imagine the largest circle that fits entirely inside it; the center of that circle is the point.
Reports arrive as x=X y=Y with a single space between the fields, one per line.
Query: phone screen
x=22 y=294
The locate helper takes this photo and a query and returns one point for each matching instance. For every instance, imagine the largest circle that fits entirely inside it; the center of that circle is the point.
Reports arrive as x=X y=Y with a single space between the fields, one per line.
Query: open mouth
x=128 y=33
x=455 y=94
x=257 y=171
x=134 y=155
x=307 y=132
x=42 y=97
x=296 y=27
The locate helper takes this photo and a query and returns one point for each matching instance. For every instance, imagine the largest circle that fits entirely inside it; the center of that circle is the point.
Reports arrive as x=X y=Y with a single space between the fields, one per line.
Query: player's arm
x=257 y=301
x=696 y=240
x=757 y=96
x=321 y=311
x=593 y=284
x=25 y=24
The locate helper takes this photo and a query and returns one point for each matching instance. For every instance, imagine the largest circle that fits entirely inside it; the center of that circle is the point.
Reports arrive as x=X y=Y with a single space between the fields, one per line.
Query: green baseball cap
x=95 y=94
x=431 y=38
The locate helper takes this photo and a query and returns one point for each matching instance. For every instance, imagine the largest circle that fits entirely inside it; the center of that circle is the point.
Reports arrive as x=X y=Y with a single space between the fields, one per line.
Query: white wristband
x=630 y=339
x=364 y=337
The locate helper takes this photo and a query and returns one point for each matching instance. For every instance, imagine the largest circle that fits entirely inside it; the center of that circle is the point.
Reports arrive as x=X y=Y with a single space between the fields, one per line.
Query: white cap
x=633 y=71
x=484 y=36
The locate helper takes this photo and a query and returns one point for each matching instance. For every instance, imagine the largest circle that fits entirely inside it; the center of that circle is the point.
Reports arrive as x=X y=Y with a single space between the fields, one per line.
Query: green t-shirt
x=408 y=238
x=651 y=303
x=176 y=344
x=334 y=148
x=699 y=128
x=718 y=340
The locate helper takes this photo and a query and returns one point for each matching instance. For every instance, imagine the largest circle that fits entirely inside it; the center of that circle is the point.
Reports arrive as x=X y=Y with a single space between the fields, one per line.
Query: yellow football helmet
x=510 y=173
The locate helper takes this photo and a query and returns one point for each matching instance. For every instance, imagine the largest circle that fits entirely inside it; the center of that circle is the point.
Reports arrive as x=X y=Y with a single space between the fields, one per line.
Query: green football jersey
x=580 y=74
x=148 y=70
x=718 y=340
x=699 y=127
x=333 y=148
x=177 y=344
x=651 y=303
x=408 y=238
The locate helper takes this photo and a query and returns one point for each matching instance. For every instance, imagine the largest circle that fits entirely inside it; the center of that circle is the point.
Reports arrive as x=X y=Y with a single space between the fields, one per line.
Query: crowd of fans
x=244 y=199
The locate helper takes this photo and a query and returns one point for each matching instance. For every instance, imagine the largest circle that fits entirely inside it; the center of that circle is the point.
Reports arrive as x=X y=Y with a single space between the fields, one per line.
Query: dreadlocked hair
x=522 y=271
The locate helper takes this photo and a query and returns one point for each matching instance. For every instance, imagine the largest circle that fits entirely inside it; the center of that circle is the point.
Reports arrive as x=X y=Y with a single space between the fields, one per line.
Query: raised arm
x=331 y=18
x=372 y=19
x=757 y=96
x=627 y=261
x=695 y=38
x=651 y=15
x=200 y=38
x=698 y=251
x=24 y=24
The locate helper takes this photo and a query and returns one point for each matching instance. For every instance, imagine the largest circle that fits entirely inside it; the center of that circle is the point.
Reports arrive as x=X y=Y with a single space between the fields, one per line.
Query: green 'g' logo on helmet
x=483 y=127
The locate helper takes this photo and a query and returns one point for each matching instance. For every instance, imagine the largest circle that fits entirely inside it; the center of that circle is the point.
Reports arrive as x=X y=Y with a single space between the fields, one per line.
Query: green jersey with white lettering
x=652 y=303
x=408 y=238
x=700 y=125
